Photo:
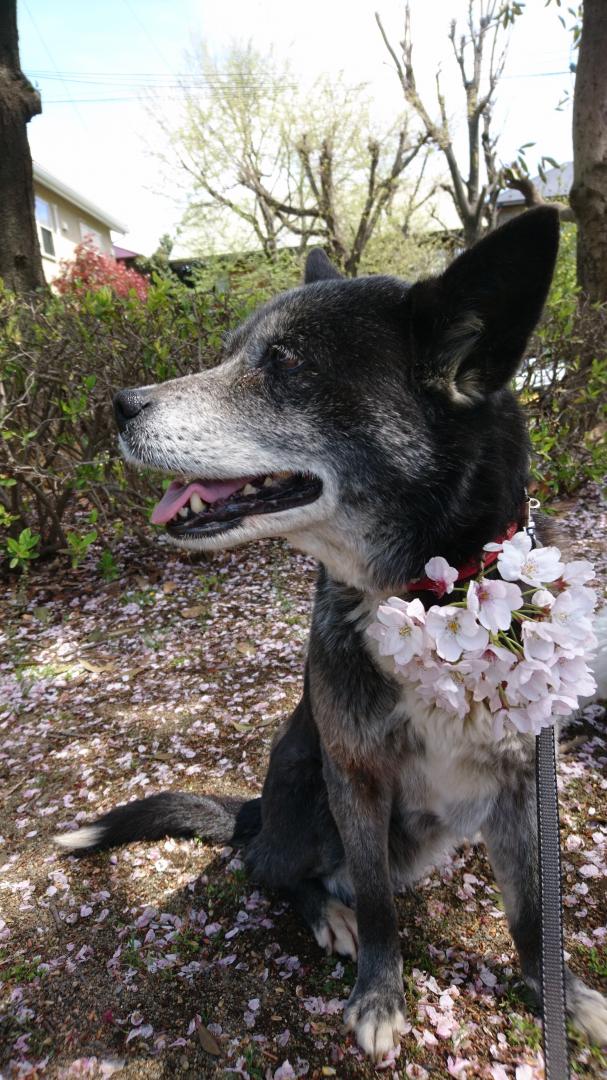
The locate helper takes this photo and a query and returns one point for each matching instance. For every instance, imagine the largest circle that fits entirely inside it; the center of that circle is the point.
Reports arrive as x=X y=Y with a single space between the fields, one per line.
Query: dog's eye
x=283 y=357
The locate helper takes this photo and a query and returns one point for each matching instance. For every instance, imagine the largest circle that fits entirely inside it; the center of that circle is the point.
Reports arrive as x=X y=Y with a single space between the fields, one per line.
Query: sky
x=92 y=61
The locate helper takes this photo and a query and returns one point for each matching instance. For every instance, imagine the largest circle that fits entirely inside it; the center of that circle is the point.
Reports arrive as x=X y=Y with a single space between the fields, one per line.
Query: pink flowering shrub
x=91 y=270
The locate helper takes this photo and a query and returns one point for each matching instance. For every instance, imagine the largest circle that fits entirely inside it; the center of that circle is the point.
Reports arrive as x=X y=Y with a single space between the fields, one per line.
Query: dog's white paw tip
x=378 y=1036
x=338 y=930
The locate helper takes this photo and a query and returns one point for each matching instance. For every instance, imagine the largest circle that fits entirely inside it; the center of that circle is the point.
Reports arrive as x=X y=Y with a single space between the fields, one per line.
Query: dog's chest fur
x=451 y=768
x=455 y=769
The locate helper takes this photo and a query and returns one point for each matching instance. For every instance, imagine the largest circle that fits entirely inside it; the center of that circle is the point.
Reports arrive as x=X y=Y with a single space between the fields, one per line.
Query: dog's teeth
x=268 y=482
x=282 y=475
x=248 y=489
x=183 y=513
x=197 y=504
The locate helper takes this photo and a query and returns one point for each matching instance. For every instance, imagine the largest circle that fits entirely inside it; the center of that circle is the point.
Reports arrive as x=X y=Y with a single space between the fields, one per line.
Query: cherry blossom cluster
x=519 y=652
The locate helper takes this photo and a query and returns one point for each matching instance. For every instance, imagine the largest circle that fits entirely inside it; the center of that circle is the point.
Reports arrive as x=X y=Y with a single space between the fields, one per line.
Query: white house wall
x=70 y=224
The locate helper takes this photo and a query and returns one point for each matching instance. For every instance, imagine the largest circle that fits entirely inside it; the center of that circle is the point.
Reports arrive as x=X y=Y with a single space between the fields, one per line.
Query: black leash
x=554 y=1001
x=554 y=1013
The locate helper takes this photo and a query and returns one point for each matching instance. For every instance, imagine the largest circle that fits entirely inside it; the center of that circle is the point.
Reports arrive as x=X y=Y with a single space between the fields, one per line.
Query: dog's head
x=367 y=420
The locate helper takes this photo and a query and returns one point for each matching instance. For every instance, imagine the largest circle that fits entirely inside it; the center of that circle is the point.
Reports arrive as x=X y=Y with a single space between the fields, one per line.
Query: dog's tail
x=222 y=819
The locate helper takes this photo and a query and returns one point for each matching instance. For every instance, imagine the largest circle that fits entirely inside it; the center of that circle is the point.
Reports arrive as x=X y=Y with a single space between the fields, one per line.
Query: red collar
x=469 y=570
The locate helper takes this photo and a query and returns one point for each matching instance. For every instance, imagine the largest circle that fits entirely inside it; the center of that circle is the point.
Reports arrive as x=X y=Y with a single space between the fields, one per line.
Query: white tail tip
x=88 y=836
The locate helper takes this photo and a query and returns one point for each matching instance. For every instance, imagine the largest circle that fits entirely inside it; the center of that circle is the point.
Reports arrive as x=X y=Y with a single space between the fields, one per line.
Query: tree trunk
x=20 y=261
x=589 y=192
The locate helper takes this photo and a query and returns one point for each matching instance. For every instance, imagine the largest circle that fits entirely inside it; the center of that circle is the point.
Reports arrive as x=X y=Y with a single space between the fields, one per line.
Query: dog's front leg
x=376 y=1009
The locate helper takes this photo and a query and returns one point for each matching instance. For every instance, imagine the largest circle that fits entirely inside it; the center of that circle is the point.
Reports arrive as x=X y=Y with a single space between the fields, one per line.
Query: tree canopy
x=290 y=165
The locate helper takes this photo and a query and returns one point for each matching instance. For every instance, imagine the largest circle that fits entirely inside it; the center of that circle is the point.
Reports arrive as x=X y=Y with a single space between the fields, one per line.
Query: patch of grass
x=186 y=944
x=518 y=995
x=35 y=672
x=131 y=954
x=418 y=958
x=595 y=960
x=143 y=597
x=228 y=890
x=23 y=971
x=151 y=641
x=206 y=583
x=322 y=980
x=596 y=1059
x=410 y=994
x=177 y=661
x=281 y=595
x=524 y=1032
x=254 y=1063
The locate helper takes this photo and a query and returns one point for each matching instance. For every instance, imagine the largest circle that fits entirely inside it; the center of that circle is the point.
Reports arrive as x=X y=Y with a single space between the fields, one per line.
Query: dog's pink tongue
x=177 y=495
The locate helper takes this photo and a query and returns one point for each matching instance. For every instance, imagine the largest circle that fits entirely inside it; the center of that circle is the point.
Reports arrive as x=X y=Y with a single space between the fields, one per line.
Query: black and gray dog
x=370 y=422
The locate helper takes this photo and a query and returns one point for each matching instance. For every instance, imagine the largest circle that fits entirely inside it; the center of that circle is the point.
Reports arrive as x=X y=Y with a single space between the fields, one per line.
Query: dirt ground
x=161 y=959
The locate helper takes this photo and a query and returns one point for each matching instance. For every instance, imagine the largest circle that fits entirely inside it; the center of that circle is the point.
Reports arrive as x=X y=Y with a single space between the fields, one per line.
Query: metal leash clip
x=529 y=522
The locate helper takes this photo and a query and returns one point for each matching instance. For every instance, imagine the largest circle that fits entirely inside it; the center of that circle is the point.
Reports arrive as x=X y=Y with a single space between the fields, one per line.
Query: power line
x=200 y=84
x=539 y=74
x=52 y=60
x=131 y=97
x=192 y=82
x=187 y=80
x=143 y=26
x=90 y=101
x=146 y=74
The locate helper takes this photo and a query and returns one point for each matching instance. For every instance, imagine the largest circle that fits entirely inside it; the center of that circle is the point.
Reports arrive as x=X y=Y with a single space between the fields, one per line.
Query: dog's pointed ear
x=469 y=327
x=319 y=267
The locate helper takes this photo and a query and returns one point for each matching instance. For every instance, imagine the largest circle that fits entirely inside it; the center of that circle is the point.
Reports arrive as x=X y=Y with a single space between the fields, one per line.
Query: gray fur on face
x=236 y=420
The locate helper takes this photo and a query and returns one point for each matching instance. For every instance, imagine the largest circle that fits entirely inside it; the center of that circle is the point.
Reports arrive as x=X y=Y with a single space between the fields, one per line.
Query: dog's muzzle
x=195 y=507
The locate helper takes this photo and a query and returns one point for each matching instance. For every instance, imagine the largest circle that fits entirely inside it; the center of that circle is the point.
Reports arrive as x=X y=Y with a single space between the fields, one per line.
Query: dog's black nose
x=129 y=403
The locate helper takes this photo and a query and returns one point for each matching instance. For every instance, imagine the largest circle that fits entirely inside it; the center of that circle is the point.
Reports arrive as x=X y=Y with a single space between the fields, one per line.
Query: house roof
x=558 y=182
x=124 y=253
x=59 y=188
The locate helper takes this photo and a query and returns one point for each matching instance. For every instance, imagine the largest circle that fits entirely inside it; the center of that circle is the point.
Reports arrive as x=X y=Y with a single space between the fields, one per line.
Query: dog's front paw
x=378 y=1018
x=588 y=1011
x=337 y=931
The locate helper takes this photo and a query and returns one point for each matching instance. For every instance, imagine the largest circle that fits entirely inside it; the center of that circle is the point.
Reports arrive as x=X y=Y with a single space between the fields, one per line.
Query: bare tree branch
x=480 y=68
x=313 y=168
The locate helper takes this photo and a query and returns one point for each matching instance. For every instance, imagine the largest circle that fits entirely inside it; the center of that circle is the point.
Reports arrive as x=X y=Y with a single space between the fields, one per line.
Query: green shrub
x=248 y=278
x=61 y=361
x=62 y=483
x=564 y=384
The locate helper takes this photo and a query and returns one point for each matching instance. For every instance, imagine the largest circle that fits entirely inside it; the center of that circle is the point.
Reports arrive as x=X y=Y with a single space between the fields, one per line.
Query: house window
x=88 y=233
x=46 y=226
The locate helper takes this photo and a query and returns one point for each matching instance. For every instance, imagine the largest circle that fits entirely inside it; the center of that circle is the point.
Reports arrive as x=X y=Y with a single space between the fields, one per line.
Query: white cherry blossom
x=493 y=601
x=542 y=599
x=520 y=561
x=569 y=620
x=575 y=678
x=538 y=641
x=400 y=633
x=455 y=631
x=532 y=680
x=439 y=571
x=578 y=572
x=450 y=690
x=469 y=652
